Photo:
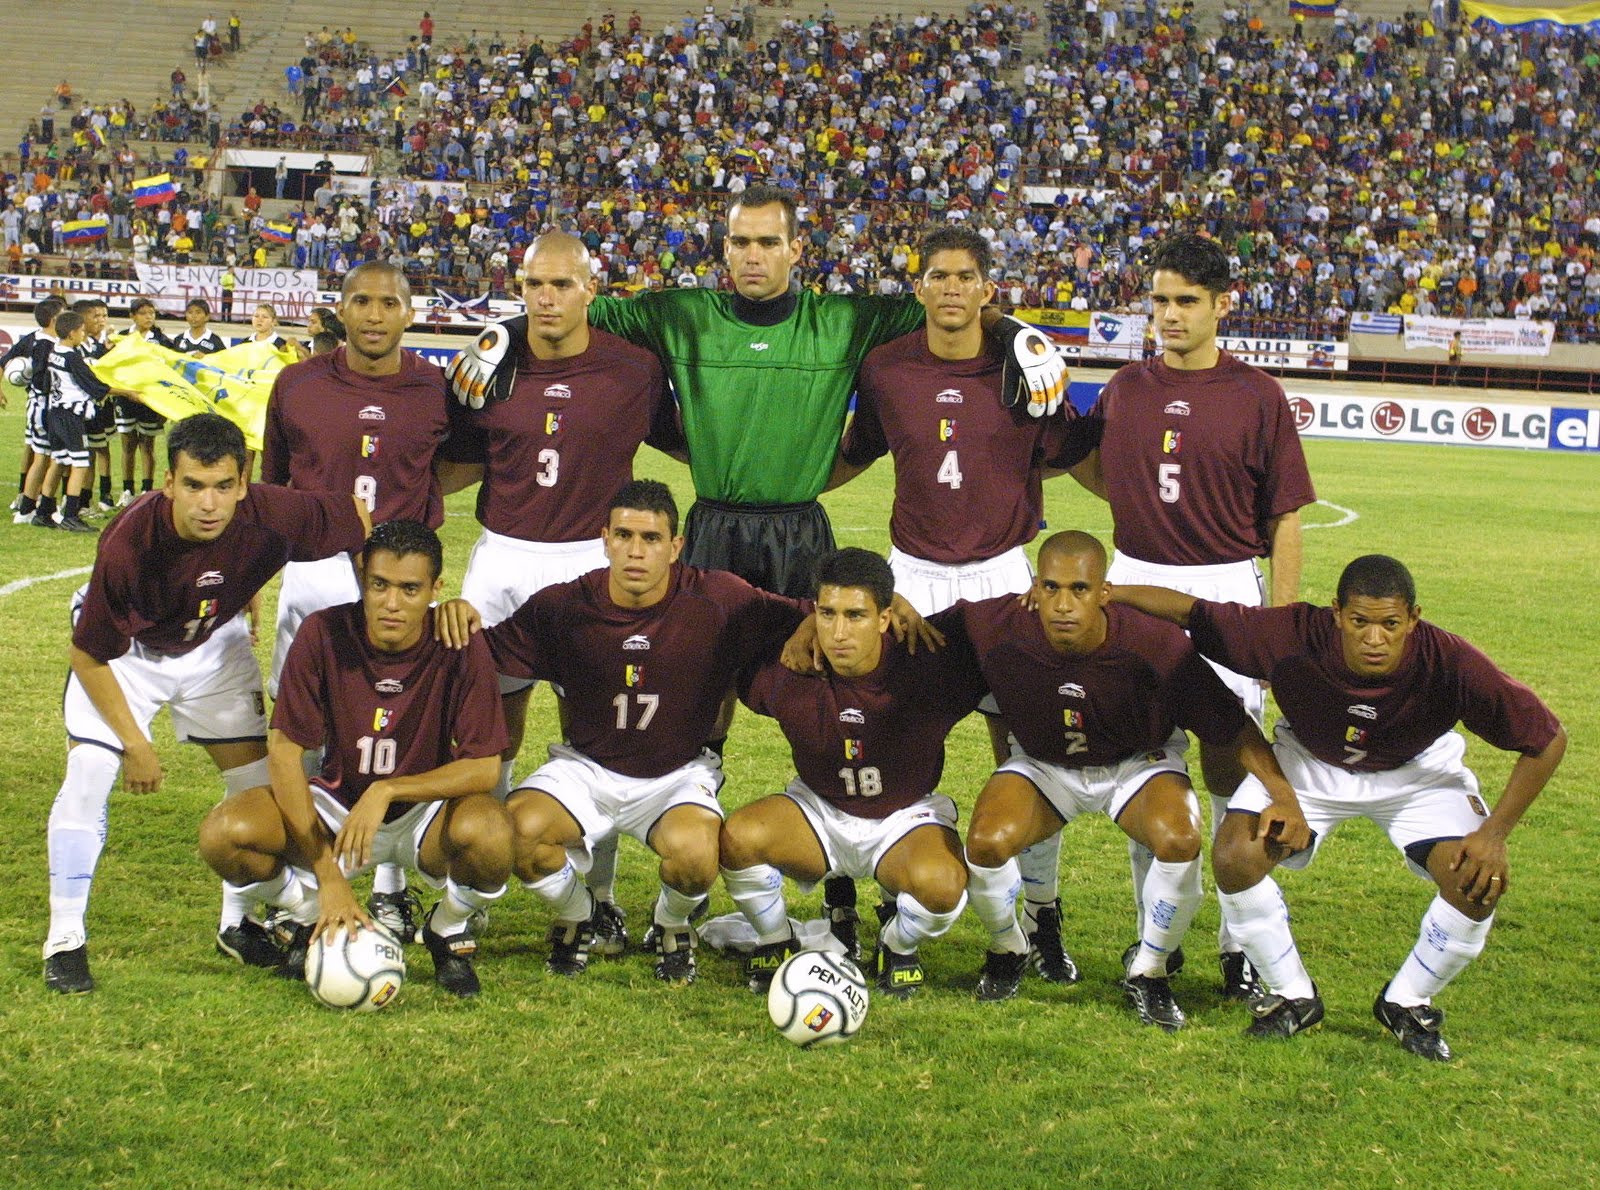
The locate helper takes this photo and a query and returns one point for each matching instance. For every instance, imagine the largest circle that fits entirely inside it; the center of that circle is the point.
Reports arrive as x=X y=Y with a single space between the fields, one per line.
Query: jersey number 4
x=950 y=470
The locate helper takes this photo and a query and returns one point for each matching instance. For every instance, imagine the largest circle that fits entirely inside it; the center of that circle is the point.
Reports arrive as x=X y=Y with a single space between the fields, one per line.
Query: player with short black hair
x=18 y=365
x=409 y=734
x=157 y=626
x=73 y=403
x=1371 y=694
x=137 y=424
x=198 y=338
x=98 y=432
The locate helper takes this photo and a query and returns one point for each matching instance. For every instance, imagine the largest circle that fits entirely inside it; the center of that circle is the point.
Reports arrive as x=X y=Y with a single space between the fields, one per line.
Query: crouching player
x=411 y=732
x=867 y=738
x=1370 y=694
x=1097 y=699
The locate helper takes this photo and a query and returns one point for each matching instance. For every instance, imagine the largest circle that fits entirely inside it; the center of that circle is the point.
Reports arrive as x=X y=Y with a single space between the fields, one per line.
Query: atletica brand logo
x=1363 y=710
x=760 y=346
x=851 y=715
x=637 y=642
x=372 y=413
x=211 y=578
x=558 y=391
x=950 y=396
x=389 y=686
x=1071 y=690
x=1178 y=409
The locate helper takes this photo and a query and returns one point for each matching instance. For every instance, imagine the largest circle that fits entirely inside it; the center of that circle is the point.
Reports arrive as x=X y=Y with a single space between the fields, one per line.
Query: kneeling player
x=411 y=732
x=867 y=739
x=1372 y=692
x=1097 y=698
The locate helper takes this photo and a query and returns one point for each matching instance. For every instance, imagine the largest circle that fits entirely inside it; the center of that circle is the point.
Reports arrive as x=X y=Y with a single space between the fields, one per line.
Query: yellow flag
x=234 y=382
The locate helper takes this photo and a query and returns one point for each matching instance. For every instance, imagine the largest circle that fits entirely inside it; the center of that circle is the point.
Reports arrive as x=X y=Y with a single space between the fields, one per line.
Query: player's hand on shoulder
x=910 y=628
x=141 y=768
x=1034 y=371
x=802 y=652
x=1482 y=866
x=454 y=622
x=483 y=370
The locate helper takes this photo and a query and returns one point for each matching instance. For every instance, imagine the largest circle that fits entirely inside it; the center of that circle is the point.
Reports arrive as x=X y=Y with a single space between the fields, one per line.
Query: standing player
x=75 y=395
x=409 y=732
x=1370 y=694
x=644 y=652
x=157 y=626
x=867 y=740
x=1098 y=700
x=549 y=456
x=98 y=432
x=367 y=418
x=137 y=424
x=198 y=338
x=18 y=364
x=1203 y=469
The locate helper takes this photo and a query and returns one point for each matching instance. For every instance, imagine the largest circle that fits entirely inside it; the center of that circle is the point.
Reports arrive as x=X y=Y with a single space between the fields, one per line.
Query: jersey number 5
x=1167 y=481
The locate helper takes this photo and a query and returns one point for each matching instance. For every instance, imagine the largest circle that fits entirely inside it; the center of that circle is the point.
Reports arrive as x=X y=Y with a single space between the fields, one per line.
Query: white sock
x=502 y=787
x=565 y=892
x=1040 y=866
x=286 y=891
x=993 y=893
x=236 y=906
x=602 y=875
x=1171 y=896
x=915 y=923
x=758 y=892
x=388 y=878
x=1447 y=942
x=460 y=902
x=74 y=839
x=1259 y=918
x=673 y=907
x=1140 y=858
x=1226 y=941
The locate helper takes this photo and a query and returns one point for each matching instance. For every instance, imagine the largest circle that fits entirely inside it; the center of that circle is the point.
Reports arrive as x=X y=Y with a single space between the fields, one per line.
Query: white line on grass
x=1350 y=515
x=22 y=584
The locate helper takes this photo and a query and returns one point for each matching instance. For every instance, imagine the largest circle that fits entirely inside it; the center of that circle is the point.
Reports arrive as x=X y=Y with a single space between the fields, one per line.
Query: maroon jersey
x=966 y=469
x=383 y=714
x=563 y=443
x=1197 y=463
x=643 y=685
x=169 y=594
x=330 y=429
x=1099 y=708
x=874 y=744
x=1368 y=725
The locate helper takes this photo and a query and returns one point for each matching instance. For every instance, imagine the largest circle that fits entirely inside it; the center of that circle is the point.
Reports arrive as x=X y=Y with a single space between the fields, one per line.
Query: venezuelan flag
x=278 y=233
x=1312 y=8
x=153 y=191
x=397 y=89
x=82 y=230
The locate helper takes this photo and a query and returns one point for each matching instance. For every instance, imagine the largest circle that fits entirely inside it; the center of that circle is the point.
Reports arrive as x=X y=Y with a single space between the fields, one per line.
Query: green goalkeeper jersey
x=763 y=406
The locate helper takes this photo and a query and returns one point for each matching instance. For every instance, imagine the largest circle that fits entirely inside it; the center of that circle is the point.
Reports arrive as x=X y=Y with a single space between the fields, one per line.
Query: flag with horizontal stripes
x=153 y=191
x=278 y=233
x=80 y=231
x=397 y=89
x=1312 y=8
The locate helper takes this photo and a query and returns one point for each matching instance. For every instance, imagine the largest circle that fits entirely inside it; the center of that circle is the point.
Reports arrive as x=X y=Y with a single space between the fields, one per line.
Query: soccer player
x=97 y=433
x=157 y=626
x=1097 y=699
x=75 y=396
x=549 y=457
x=18 y=363
x=137 y=424
x=644 y=651
x=409 y=732
x=36 y=504
x=198 y=338
x=1203 y=470
x=1370 y=694
x=867 y=740
x=367 y=418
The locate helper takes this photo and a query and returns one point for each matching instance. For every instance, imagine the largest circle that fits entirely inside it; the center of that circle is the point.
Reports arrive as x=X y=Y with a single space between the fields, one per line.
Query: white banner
x=357 y=187
x=1301 y=355
x=1485 y=336
x=1323 y=414
x=344 y=163
x=1115 y=336
x=291 y=291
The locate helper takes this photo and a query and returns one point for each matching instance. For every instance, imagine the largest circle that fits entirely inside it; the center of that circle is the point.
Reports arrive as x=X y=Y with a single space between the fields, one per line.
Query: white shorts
x=213 y=693
x=605 y=803
x=397 y=842
x=1433 y=796
x=855 y=846
x=309 y=587
x=1099 y=789
x=1228 y=582
x=933 y=586
x=34 y=432
x=503 y=573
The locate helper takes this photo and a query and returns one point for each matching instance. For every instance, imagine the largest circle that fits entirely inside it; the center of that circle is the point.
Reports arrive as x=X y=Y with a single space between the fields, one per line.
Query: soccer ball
x=817 y=998
x=19 y=371
x=363 y=970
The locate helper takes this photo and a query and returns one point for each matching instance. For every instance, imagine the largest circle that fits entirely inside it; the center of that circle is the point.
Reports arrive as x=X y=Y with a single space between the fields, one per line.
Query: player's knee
x=1175 y=841
x=991 y=842
x=481 y=830
x=941 y=887
x=1236 y=863
x=741 y=843
x=224 y=833
x=691 y=866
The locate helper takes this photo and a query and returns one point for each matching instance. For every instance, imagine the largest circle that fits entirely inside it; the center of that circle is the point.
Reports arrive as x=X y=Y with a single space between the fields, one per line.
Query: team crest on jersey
x=369 y=446
x=389 y=686
x=380 y=718
x=1478 y=808
x=817 y=1019
x=552 y=422
x=638 y=641
x=1363 y=710
x=1171 y=440
x=208 y=607
x=1355 y=735
x=1178 y=409
x=632 y=675
x=947 y=429
x=558 y=391
x=371 y=413
x=852 y=715
x=853 y=750
x=1072 y=718
x=211 y=578
x=1071 y=690
x=950 y=396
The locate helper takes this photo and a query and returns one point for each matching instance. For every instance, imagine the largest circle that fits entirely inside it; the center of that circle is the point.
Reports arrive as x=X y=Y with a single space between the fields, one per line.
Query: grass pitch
x=185 y=1070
